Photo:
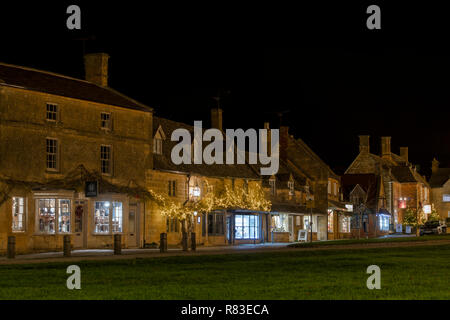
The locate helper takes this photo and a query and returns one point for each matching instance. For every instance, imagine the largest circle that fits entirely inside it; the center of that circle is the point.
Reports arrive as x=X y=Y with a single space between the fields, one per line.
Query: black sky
x=336 y=78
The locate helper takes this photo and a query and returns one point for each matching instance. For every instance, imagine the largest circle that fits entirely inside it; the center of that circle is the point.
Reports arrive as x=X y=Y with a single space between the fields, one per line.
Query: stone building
x=440 y=189
x=189 y=182
x=398 y=184
x=318 y=183
x=59 y=135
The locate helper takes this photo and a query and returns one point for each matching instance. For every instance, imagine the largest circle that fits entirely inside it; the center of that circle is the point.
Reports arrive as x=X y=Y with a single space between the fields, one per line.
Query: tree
x=434 y=215
x=414 y=217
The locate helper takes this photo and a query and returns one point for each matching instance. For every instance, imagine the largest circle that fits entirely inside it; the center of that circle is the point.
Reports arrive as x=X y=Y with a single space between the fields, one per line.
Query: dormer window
x=157 y=146
x=106 y=121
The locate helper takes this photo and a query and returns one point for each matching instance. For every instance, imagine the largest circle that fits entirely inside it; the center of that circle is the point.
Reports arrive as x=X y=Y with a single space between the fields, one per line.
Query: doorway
x=133 y=229
x=80 y=227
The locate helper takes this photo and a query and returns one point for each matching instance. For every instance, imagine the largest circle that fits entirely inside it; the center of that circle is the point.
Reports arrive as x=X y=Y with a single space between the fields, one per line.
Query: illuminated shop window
x=108 y=216
x=330 y=221
x=51 y=211
x=18 y=214
x=246 y=227
x=383 y=221
x=344 y=224
x=280 y=222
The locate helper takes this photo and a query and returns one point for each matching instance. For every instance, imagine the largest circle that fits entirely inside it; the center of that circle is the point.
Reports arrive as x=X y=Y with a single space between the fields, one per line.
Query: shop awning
x=337 y=205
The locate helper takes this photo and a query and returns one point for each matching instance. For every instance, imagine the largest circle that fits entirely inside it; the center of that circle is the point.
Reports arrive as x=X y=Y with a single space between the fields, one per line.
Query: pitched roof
x=440 y=177
x=164 y=162
x=52 y=83
x=368 y=182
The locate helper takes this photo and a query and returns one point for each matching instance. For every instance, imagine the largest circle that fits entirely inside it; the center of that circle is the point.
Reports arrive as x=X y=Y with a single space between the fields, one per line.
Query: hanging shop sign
x=91 y=189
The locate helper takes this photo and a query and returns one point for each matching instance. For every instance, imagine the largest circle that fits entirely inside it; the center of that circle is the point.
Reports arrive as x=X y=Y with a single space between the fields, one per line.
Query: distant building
x=398 y=183
x=440 y=189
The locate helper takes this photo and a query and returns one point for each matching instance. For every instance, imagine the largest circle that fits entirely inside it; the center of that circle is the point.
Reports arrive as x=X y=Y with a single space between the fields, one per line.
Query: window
x=329 y=187
x=52 y=112
x=246 y=227
x=383 y=222
x=291 y=187
x=18 y=214
x=280 y=223
x=157 y=146
x=105 y=159
x=297 y=220
x=172 y=225
x=335 y=188
x=172 y=188
x=446 y=198
x=117 y=217
x=344 y=224
x=106 y=214
x=52 y=154
x=272 y=187
x=51 y=211
x=194 y=191
x=215 y=223
x=402 y=203
x=106 y=121
x=330 y=221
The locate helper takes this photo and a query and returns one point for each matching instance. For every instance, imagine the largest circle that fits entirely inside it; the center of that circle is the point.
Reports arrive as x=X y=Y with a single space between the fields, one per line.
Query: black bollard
x=67 y=246
x=11 y=247
x=163 y=242
x=193 y=242
x=117 y=244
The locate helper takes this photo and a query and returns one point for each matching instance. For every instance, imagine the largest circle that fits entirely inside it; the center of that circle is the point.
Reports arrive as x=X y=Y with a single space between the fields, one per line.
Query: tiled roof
x=164 y=161
x=440 y=177
x=52 y=83
x=368 y=182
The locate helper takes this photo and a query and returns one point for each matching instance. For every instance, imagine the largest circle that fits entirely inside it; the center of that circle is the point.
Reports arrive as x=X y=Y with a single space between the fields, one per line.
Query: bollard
x=184 y=241
x=193 y=243
x=67 y=246
x=117 y=244
x=11 y=247
x=163 y=242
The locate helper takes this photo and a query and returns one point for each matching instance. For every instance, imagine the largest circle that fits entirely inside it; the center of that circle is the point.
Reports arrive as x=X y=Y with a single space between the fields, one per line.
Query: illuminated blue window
x=246 y=227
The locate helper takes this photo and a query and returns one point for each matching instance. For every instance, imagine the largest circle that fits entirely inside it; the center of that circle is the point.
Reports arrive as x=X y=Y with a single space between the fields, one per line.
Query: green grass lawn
x=420 y=272
x=370 y=240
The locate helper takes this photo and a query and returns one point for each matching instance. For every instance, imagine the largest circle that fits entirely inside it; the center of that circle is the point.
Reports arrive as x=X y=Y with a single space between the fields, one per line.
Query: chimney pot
x=404 y=153
x=96 y=68
x=386 y=147
x=364 y=144
x=216 y=118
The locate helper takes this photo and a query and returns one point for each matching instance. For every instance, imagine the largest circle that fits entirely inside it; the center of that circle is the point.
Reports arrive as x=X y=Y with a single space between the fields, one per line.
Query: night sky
x=329 y=77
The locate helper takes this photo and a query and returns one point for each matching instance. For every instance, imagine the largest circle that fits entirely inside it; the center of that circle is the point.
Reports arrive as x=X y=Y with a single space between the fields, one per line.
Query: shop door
x=291 y=229
x=80 y=227
x=321 y=228
x=133 y=217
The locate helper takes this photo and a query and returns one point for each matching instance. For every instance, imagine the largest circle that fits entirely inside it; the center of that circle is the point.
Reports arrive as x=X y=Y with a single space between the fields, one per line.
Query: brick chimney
x=216 y=118
x=284 y=140
x=386 y=147
x=364 y=144
x=404 y=153
x=434 y=165
x=96 y=68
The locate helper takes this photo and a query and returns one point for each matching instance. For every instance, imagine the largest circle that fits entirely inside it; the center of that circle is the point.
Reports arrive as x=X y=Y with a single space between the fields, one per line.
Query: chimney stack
x=404 y=153
x=216 y=118
x=434 y=165
x=284 y=140
x=364 y=144
x=386 y=147
x=96 y=68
